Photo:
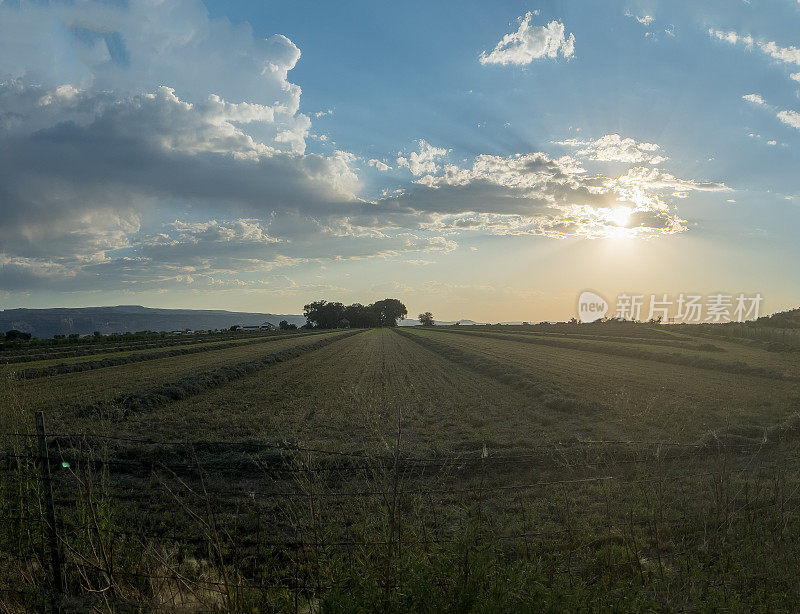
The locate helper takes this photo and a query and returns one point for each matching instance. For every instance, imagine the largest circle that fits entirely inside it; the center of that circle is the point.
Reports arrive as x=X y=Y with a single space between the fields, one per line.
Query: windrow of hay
x=688 y=360
x=76 y=367
x=685 y=344
x=43 y=349
x=123 y=404
x=547 y=392
x=124 y=343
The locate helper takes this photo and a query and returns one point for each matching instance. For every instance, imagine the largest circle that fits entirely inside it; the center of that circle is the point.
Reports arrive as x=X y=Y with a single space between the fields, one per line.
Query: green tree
x=17 y=335
x=426 y=319
x=322 y=314
x=389 y=310
x=361 y=316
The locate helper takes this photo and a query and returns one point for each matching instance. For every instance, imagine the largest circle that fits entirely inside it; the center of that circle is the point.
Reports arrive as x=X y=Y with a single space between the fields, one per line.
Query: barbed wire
x=554 y=445
x=267 y=466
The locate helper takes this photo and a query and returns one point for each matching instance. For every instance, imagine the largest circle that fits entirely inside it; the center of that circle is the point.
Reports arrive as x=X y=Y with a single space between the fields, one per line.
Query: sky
x=478 y=160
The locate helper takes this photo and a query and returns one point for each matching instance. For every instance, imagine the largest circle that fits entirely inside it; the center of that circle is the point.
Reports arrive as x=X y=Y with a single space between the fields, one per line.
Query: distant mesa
x=132 y=318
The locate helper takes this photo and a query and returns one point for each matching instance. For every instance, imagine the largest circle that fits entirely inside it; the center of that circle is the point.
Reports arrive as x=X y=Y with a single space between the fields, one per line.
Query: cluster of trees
x=15 y=335
x=324 y=314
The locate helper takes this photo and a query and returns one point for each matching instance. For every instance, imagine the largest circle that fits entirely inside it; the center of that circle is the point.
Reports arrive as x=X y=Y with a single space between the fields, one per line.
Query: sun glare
x=620 y=216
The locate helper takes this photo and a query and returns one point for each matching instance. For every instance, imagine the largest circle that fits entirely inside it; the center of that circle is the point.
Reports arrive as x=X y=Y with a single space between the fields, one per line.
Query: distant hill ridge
x=782 y=319
x=129 y=318
x=133 y=318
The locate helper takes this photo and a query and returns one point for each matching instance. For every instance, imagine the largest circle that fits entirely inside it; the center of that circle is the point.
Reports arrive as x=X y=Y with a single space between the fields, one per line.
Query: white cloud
x=645 y=20
x=731 y=37
x=612 y=147
x=531 y=42
x=787 y=116
x=115 y=115
x=381 y=166
x=790 y=118
x=640 y=182
x=422 y=161
x=787 y=55
x=755 y=99
x=133 y=47
x=795 y=75
x=555 y=197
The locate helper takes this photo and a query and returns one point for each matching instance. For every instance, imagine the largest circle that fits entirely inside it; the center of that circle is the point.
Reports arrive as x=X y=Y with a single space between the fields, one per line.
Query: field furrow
x=644 y=396
x=48 y=367
x=351 y=395
x=687 y=358
x=62 y=395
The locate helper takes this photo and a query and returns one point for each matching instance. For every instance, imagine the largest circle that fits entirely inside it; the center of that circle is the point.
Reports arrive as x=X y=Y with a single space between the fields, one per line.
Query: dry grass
x=418 y=471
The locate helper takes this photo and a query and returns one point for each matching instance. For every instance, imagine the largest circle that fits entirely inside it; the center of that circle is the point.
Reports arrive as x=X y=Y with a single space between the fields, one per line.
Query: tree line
x=325 y=314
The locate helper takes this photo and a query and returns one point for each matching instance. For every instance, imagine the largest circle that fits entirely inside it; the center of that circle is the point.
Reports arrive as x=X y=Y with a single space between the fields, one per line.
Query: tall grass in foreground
x=584 y=528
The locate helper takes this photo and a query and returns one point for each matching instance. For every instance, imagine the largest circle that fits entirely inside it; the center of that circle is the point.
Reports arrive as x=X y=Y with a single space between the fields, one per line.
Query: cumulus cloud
x=645 y=20
x=787 y=116
x=787 y=55
x=144 y=145
x=790 y=118
x=614 y=148
x=133 y=47
x=422 y=161
x=217 y=254
x=113 y=115
x=381 y=166
x=537 y=194
x=531 y=42
x=731 y=37
x=123 y=156
x=755 y=99
x=639 y=183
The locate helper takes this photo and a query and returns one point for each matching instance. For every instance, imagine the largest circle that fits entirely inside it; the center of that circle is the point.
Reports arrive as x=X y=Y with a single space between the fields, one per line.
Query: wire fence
x=284 y=519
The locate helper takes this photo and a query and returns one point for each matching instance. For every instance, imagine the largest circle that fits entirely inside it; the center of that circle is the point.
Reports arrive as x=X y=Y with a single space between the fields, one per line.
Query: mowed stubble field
x=472 y=469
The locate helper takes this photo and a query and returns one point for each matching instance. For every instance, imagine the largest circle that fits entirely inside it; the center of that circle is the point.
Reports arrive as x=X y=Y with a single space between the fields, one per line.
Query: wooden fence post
x=52 y=537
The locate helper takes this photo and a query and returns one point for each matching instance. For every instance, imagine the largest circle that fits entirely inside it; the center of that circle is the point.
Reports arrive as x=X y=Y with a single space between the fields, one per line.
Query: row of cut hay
x=123 y=404
x=605 y=329
x=686 y=345
x=39 y=345
x=89 y=365
x=702 y=362
x=761 y=344
x=40 y=353
x=548 y=393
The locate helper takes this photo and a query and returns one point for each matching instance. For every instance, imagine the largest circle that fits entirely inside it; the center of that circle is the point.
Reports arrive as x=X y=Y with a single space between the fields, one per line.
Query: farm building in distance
x=264 y=326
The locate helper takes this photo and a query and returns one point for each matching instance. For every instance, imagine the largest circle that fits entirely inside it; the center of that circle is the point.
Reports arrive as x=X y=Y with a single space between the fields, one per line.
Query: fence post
x=52 y=537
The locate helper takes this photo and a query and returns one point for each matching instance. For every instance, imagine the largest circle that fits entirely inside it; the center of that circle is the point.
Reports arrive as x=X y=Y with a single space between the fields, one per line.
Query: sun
x=620 y=216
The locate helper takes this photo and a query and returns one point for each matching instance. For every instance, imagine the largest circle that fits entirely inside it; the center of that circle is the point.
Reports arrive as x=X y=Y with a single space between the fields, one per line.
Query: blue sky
x=259 y=155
